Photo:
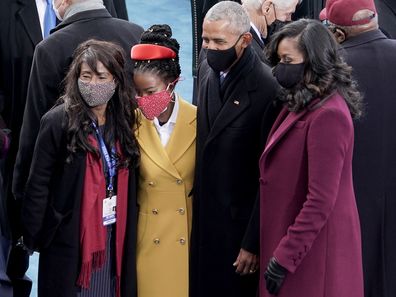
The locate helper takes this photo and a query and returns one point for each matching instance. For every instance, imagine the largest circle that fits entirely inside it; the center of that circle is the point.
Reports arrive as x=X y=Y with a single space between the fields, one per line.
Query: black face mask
x=289 y=75
x=221 y=60
x=275 y=27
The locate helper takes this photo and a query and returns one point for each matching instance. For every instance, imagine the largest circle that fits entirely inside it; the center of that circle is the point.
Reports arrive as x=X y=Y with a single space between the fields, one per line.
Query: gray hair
x=256 y=4
x=252 y=4
x=284 y=4
x=233 y=13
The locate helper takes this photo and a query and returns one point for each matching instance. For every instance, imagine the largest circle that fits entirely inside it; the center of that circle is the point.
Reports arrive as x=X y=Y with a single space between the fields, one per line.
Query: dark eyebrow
x=102 y=72
x=148 y=88
x=219 y=40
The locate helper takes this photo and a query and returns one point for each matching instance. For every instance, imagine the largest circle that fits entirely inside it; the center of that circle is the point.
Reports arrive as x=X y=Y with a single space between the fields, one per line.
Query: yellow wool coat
x=164 y=223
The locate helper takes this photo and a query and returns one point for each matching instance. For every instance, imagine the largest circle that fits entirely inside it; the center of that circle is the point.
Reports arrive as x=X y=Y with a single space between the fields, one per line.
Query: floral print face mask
x=95 y=94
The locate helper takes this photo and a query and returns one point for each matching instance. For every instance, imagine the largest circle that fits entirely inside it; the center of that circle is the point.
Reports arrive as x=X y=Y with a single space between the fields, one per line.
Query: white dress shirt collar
x=41 y=6
x=257 y=31
x=165 y=131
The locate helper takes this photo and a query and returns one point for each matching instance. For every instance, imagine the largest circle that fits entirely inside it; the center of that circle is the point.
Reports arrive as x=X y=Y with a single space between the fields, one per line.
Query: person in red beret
x=166 y=138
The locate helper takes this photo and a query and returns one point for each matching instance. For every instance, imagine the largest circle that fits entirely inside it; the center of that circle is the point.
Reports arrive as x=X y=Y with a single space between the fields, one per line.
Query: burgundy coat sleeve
x=329 y=136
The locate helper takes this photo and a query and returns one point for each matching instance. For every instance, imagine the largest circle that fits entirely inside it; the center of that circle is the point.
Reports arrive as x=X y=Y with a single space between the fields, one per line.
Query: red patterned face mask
x=153 y=105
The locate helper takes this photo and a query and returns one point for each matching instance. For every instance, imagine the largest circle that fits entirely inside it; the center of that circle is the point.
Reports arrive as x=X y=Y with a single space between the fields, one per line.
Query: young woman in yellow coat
x=166 y=138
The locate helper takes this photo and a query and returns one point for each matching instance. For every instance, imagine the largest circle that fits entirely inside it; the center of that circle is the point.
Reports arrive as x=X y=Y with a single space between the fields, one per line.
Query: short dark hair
x=325 y=70
x=167 y=69
x=120 y=111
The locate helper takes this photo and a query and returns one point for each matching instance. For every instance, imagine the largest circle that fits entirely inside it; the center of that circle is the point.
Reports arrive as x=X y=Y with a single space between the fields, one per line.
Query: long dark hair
x=167 y=69
x=120 y=115
x=325 y=70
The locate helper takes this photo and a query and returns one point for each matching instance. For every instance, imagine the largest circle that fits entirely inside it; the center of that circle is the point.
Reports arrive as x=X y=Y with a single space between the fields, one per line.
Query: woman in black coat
x=79 y=210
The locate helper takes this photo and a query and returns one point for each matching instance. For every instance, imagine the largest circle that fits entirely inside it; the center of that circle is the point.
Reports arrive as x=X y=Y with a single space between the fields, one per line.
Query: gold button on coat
x=181 y=211
x=156 y=241
x=182 y=241
x=179 y=181
x=155 y=211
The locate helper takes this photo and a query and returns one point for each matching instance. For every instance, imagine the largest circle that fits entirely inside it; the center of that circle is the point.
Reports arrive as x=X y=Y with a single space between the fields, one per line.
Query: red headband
x=151 y=52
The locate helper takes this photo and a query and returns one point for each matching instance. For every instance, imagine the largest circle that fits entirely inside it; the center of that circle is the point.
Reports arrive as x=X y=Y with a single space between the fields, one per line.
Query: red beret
x=147 y=51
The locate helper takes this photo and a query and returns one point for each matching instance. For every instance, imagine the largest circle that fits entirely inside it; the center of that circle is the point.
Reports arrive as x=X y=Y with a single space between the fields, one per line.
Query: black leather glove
x=274 y=276
x=18 y=260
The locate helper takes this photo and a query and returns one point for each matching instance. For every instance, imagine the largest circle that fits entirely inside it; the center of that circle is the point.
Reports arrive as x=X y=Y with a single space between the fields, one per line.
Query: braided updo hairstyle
x=167 y=69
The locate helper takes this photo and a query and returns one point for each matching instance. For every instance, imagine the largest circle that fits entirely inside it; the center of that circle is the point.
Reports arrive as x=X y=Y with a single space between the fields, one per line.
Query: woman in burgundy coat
x=309 y=230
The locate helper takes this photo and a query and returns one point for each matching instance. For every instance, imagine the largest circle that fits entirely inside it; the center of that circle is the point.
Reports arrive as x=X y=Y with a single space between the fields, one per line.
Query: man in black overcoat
x=373 y=58
x=234 y=118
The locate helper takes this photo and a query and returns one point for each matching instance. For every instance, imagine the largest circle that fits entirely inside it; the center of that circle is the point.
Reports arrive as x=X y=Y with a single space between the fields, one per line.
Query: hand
x=246 y=263
x=18 y=262
x=274 y=276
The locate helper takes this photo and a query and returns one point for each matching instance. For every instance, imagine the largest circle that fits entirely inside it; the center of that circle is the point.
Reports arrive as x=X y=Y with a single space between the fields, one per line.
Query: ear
x=266 y=7
x=246 y=39
x=171 y=85
x=339 y=35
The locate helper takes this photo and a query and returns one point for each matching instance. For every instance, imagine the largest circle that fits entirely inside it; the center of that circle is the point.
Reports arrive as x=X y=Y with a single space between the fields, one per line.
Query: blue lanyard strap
x=110 y=160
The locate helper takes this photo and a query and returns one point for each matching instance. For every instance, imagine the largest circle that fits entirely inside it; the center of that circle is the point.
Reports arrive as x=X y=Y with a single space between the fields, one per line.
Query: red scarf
x=93 y=234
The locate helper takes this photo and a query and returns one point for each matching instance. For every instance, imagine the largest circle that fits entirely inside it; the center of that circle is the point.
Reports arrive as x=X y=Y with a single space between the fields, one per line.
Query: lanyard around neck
x=110 y=159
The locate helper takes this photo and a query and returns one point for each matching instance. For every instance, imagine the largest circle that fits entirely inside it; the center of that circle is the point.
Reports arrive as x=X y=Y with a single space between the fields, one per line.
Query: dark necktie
x=49 y=19
x=222 y=78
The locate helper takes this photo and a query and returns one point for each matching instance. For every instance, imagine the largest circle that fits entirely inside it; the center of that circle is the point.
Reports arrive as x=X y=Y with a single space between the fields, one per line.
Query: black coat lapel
x=29 y=16
x=202 y=111
x=236 y=104
x=234 y=90
x=214 y=102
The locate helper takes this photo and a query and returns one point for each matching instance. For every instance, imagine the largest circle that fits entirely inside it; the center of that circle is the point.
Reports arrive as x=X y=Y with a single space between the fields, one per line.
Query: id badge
x=109 y=210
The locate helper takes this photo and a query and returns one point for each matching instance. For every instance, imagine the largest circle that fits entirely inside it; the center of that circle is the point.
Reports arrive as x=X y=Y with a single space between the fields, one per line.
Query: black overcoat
x=373 y=58
x=51 y=60
x=51 y=213
x=20 y=32
x=227 y=175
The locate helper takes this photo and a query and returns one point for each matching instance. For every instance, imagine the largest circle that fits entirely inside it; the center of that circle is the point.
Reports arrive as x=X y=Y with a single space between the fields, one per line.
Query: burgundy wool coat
x=308 y=214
